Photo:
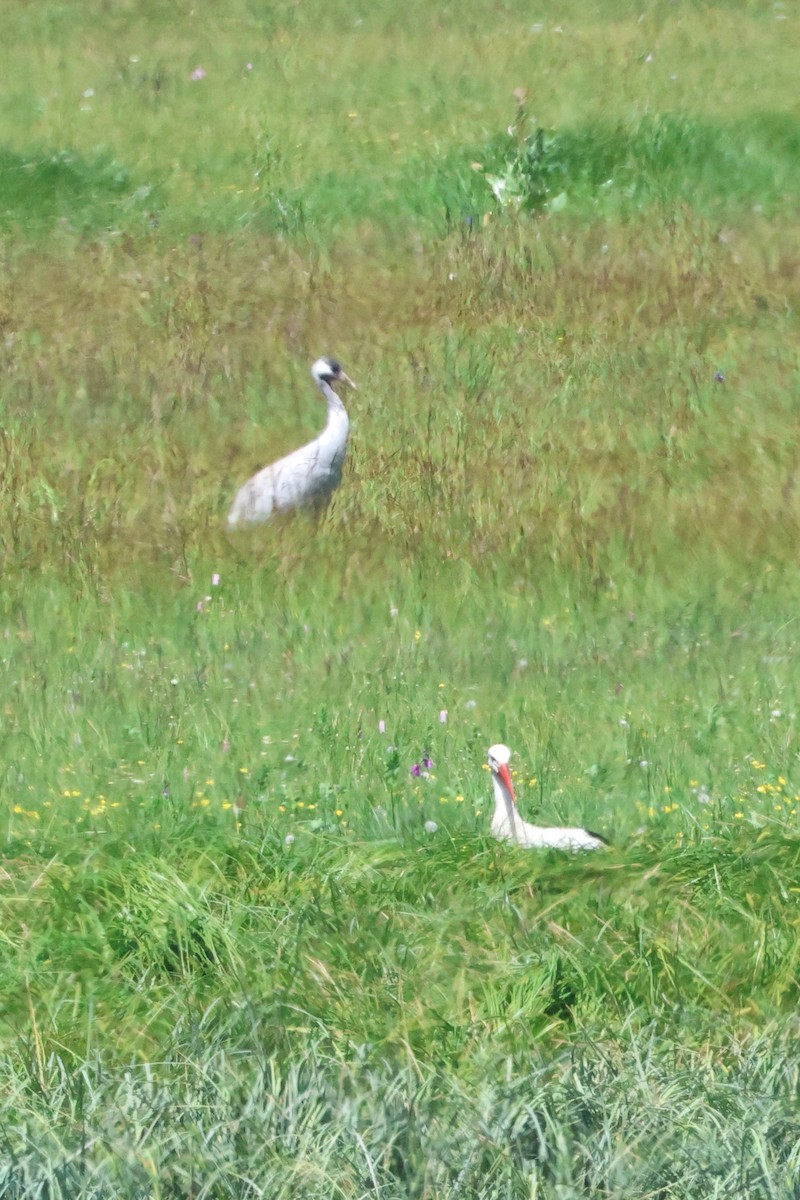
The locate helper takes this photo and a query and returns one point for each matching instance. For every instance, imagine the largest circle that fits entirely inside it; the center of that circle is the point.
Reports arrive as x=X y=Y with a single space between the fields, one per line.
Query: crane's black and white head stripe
x=328 y=370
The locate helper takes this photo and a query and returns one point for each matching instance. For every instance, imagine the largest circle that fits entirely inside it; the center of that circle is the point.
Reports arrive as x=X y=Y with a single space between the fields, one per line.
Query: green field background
x=246 y=951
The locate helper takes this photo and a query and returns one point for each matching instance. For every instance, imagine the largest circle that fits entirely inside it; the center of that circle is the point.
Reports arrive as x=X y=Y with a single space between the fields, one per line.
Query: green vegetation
x=246 y=952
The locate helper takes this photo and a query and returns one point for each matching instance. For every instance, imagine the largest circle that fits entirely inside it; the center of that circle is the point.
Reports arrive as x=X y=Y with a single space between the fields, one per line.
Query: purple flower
x=416 y=770
x=427 y=762
x=719 y=377
x=198 y=73
x=443 y=715
x=215 y=579
x=381 y=727
x=199 y=606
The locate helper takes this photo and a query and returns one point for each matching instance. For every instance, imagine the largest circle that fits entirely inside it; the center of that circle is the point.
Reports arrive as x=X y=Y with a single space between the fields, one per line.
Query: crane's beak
x=342 y=378
x=504 y=776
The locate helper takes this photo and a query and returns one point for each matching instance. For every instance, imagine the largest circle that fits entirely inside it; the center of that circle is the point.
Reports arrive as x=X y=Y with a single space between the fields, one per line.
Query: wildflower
x=719 y=377
x=381 y=727
x=289 y=839
x=431 y=827
x=427 y=762
x=198 y=73
x=226 y=745
x=199 y=606
x=442 y=715
x=215 y=579
x=416 y=770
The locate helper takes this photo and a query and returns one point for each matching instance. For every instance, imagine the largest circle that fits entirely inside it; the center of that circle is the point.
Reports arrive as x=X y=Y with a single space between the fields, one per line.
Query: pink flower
x=215 y=579
x=381 y=727
x=198 y=73
x=443 y=715
x=199 y=606
x=248 y=66
x=226 y=744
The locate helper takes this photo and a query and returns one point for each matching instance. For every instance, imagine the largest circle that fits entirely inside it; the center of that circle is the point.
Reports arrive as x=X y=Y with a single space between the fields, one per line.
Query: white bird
x=508 y=825
x=307 y=477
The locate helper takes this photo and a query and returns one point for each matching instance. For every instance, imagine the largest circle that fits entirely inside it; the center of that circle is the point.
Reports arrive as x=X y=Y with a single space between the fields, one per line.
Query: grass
x=246 y=951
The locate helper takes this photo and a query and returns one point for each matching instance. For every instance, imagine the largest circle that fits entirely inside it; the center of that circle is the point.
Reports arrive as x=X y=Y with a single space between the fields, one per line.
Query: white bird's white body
x=508 y=825
x=307 y=477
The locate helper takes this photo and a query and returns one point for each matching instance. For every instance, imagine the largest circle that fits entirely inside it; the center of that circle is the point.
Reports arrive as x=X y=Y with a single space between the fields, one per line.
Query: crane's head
x=328 y=370
x=498 y=758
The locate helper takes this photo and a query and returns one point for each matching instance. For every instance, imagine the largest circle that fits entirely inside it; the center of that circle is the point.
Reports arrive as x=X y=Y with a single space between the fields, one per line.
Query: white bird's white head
x=498 y=757
x=328 y=370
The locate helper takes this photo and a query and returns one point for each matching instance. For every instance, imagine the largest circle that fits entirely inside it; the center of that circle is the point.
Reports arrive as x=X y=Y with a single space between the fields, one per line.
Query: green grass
x=245 y=951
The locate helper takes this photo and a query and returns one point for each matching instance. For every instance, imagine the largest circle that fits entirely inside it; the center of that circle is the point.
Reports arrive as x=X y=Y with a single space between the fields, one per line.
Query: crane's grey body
x=307 y=477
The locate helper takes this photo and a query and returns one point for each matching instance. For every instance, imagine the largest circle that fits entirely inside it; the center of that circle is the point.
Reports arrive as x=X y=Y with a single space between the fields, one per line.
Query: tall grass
x=246 y=951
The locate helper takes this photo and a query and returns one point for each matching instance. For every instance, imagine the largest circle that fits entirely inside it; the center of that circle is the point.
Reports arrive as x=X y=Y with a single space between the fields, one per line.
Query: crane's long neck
x=337 y=427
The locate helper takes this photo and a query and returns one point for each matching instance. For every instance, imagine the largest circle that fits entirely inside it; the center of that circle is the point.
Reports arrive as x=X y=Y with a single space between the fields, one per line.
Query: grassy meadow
x=248 y=952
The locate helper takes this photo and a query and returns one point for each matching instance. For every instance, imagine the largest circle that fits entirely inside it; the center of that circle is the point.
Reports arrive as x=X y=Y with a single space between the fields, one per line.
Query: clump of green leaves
x=533 y=169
